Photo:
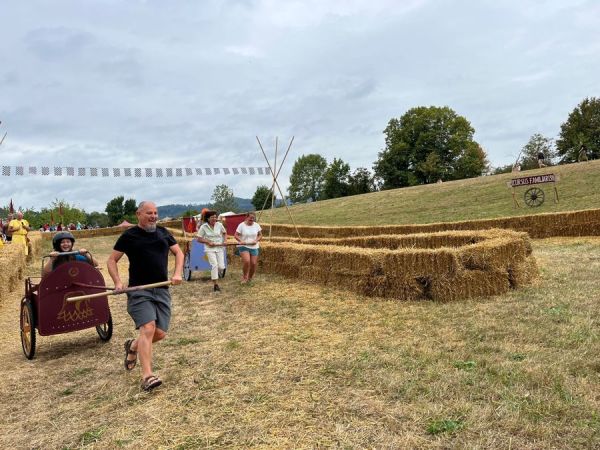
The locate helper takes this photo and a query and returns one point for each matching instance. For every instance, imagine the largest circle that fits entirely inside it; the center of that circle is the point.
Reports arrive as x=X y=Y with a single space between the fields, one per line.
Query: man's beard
x=150 y=228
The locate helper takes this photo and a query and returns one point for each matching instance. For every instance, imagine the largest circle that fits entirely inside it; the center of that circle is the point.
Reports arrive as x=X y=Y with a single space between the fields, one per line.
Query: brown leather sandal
x=129 y=363
x=151 y=382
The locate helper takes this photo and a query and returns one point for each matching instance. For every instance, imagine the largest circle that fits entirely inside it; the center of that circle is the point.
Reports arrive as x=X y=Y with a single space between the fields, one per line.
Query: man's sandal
x=151 y=382
x=129 y=363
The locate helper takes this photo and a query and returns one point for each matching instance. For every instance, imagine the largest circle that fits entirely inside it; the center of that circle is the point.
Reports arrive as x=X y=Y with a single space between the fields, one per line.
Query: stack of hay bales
x=13 y=261
x=173 y=223
x=574 y=223
x=442 y=266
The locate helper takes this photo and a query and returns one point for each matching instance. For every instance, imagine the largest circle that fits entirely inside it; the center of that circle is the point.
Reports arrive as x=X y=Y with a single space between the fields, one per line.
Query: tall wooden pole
x=273 y=191
x=278 y=187
x=276 y=176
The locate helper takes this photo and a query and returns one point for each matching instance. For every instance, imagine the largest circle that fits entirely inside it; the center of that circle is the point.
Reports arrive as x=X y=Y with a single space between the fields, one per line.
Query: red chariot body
x=45 y=307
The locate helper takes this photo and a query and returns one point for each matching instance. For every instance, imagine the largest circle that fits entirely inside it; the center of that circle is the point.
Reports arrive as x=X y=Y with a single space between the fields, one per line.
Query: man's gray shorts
x=150 y=304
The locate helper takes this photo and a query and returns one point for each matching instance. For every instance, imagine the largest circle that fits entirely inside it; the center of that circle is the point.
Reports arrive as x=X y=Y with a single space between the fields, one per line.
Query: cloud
x=56 y=44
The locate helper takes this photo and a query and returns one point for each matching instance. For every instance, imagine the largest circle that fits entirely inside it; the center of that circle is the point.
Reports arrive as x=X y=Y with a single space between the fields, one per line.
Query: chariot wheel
x=187 y=270
x=534 y=197
x=27 y=329
x=105 y=330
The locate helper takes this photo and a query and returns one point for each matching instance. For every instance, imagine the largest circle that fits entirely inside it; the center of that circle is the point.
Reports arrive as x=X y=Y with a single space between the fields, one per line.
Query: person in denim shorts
x=248 y=234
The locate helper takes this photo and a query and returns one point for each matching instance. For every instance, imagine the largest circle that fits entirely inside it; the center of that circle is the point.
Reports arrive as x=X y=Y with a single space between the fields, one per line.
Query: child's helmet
x=59 y=237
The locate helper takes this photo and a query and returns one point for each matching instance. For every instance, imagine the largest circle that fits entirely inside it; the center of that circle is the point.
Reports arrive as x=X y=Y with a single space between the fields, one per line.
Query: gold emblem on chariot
x=73 y=272
x=75 y=311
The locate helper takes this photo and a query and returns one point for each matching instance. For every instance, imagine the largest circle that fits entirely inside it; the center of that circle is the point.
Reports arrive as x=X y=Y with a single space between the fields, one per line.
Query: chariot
x=45 y=306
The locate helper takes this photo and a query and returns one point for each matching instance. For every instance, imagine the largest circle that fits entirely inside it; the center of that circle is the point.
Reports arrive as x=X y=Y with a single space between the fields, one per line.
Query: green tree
x=118 y=210
x=407 y=159
x=58 y=211
x=335 y=180
x=306 y=180
x=537 y=144
x=581 y=128
x=129 y=210
x=97 y=218
x=432 y=169
x=472 y=162
x=360 y=182
x=262 y=197
x=222 y=199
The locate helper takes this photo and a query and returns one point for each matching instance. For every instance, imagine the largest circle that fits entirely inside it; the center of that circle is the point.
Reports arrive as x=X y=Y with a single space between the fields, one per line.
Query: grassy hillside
x=477 y=198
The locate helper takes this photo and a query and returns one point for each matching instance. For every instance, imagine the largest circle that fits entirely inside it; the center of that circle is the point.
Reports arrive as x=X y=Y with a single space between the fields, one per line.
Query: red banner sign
x=535 y=179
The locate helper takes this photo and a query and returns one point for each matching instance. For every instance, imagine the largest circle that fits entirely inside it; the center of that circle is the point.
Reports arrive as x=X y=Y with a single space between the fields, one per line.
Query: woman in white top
x=213 y=234
x=248 y=234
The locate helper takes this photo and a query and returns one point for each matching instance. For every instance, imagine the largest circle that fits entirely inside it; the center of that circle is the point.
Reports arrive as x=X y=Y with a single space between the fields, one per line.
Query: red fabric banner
x=189 y=224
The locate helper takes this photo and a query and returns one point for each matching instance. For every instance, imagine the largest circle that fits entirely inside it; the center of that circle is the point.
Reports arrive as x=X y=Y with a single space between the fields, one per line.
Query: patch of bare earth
x=289 y=365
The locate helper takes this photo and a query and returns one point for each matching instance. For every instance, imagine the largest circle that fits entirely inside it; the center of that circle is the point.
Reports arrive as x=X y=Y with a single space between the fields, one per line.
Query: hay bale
x=523 y=273
x=12 y=265
x=444 y=266
x=575 y=223
x=441 y=265
x=468 y=284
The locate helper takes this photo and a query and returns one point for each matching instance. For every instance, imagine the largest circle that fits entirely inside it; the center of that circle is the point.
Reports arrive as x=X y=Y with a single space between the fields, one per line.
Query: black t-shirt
x=148 y=254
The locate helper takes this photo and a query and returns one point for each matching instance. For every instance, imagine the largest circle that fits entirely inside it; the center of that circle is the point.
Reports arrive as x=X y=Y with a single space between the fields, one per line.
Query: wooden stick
x=276 y=175
x=93 y=287
x=225 y=244
x=273 y=192
x=278 y=187
x=129 y=289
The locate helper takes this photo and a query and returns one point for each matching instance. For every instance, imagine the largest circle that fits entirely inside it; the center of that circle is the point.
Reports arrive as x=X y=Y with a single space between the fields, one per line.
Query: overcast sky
x=191 y=83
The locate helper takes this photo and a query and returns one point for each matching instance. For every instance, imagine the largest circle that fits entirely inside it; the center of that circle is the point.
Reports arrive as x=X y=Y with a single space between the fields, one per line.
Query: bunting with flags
x=128 y=172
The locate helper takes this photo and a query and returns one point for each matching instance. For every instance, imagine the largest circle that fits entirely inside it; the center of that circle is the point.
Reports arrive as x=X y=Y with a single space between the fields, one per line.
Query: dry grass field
x=285 y=365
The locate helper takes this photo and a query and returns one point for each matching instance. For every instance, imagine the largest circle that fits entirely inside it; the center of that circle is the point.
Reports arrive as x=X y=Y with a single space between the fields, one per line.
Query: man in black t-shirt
x=147 y=247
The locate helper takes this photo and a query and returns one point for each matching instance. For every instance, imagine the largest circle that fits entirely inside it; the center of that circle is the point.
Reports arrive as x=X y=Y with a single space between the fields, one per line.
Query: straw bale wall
x=174 y=223
x=441 y=266
x=573 y=223
x=396 y=241
x=13 y=262
x=177 y=232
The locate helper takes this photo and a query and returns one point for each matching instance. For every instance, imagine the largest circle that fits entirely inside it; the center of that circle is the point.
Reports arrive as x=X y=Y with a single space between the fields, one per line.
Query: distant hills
x=176 y=210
